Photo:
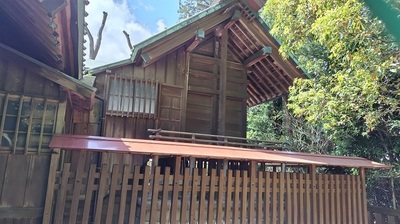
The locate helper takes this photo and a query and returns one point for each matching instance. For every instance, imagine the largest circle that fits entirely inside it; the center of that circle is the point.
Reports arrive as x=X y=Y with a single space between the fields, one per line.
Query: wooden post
x=48 y=207
x=313 y=172
x=222 y=82
x=364 y=218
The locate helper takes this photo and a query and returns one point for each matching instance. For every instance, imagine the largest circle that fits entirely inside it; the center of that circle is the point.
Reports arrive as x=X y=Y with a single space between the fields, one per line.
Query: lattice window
x=27 y=123
x=131 y=97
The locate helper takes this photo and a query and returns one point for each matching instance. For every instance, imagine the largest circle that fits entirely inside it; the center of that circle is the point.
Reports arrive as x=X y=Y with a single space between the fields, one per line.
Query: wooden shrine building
x=159 y=137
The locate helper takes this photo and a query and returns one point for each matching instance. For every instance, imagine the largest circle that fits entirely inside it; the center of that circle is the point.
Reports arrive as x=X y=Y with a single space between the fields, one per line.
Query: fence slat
x=164 y=204
x=221 y=193
x=80 y=170
x=89 y=193
x=260 y=190
x=274 y=201
x=203 y=202
x=193 y=200
x=124 y=191
x=210 y=217
x=104 y=176
x=154 y=195
x=327 y=203
x=281 y=197
x=146 y=187
x=296 y=204
x=244 y=197
x=307 y=198
x=301 y=197
x=60 y=205
x=111 y=193
x=134 y=196
x=185 y=195
x=237 y=197
x=289 y=192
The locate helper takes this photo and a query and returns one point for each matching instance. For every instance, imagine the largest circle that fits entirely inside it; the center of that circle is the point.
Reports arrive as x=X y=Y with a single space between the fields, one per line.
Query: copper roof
x=151 y=147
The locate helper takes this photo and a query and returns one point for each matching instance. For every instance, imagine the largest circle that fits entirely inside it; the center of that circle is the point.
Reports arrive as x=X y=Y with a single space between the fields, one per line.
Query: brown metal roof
x=151 y=147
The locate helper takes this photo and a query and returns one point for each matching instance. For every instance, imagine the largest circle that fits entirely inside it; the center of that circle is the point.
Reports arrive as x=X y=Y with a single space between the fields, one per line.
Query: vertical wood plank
x=222 y=82
x=124 y=190
x=104 y=176
x=244 y=216
x=354 y=199
x=111 y=194
x=320 y=209
x=221 y=193
x=48 y=206
x=332 y=197
x=338 y=210
x=363 y=196
x=60 y=204
x=175 y=200
x=313 y=172
x=236 y=203
x=267 y=198
x=145 y=191
x=134 y=196
x=154 y=195
x=358 y=198
x=228 y=206
x=296 y=204
x=308 y=198
x=185 y=195
x=252 y=192
x=79 y=174
x=348 y=198
x=289 y=193
x=203 y=201
x=327 y=218
x=164 y=204
x=343 y=198
x=301 y=197
x=281 y=197
x=260 y=190
x=274 y=201
x=210 y=218
x=89 y=192
x=194 y=208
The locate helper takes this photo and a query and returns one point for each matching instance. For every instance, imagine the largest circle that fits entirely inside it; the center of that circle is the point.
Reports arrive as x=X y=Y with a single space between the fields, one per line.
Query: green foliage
x=353 y=96
x=187 y=8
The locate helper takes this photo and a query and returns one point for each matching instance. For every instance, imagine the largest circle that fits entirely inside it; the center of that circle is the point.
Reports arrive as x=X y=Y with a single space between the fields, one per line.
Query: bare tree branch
x=128 y=39
x=99 y=36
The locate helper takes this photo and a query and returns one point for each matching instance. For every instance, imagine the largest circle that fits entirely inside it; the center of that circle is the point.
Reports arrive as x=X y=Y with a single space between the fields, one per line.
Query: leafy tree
x=188 y=8
x=353 y=94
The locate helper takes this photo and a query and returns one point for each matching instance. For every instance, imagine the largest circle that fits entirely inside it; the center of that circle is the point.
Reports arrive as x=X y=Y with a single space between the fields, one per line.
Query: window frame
x=128 y=101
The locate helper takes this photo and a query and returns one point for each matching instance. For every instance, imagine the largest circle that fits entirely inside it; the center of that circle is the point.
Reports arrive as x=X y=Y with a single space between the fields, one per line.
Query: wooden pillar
x=222 y=82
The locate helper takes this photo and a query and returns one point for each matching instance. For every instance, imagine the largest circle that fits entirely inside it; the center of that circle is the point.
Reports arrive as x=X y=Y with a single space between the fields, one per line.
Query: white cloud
x=161 y=25
x=114 y=46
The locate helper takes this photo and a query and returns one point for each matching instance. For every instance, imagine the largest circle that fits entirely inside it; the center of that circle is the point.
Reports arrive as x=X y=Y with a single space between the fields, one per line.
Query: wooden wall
x=189 y=93
x=30 y=105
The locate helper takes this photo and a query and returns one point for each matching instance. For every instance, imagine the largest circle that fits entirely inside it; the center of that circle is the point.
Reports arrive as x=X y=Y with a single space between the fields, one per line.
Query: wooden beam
x=182 y=36
x=222 y=82
x=235 y=17
x=266 y=50
x=200 y=35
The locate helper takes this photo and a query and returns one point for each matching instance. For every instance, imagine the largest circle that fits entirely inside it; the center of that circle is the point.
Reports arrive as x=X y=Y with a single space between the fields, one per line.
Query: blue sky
x=140 y=18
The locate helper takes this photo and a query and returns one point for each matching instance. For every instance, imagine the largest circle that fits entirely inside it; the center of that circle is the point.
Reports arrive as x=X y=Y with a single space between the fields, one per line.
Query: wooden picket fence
x=143 y=194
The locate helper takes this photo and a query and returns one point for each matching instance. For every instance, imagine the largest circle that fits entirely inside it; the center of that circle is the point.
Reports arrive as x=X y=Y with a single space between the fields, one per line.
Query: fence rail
x=159 y=134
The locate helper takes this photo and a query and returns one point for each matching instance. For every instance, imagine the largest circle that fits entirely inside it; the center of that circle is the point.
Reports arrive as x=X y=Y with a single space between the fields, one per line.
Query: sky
x=140 y=18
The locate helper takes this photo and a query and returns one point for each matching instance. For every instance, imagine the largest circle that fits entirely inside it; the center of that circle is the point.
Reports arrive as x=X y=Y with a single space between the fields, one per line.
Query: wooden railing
x=159 y=134
x=380 y=215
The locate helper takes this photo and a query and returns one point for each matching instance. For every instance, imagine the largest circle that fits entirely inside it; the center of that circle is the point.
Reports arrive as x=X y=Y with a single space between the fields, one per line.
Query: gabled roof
x=81 y=94
x=163 y=148
x=249 y=42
